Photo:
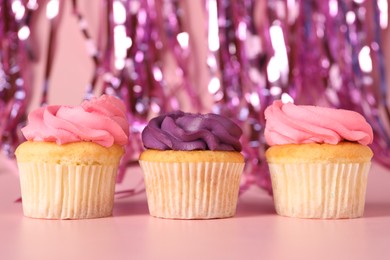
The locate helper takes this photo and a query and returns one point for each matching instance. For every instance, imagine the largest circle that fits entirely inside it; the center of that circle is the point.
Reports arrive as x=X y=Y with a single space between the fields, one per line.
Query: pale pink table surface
x=256 y=232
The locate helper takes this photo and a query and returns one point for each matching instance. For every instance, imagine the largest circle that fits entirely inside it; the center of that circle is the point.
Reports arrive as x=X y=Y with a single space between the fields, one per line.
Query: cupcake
x=318 y=160
x=68 y=165
x=192 y=166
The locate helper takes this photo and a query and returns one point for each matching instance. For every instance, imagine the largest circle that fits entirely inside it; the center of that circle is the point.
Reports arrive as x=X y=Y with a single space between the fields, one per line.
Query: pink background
x=256 y=231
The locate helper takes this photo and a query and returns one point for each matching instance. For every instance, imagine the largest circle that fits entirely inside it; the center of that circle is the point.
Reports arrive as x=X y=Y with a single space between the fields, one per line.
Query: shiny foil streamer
x=326 y=53
x=15 y=77
x=243 y=90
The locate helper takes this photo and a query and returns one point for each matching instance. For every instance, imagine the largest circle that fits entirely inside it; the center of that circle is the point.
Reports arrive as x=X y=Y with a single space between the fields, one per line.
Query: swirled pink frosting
x=292 y=124
x=100 y=120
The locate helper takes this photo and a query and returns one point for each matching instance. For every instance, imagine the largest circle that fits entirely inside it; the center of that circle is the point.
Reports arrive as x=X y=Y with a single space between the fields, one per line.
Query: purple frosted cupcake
x=192 y=166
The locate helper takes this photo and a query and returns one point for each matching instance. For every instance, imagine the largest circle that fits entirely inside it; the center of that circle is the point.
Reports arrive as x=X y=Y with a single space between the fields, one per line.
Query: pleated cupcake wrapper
x=56 y=191
x=319 y=190
x=192 y=190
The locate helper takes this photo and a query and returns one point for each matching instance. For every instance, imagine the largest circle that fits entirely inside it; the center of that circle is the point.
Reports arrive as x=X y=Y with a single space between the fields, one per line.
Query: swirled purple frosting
x=187 y=131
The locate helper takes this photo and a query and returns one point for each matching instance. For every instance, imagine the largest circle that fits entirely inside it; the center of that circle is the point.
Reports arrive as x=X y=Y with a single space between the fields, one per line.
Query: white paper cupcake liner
x=192 y=190
x=55 y=191
x=319 y=190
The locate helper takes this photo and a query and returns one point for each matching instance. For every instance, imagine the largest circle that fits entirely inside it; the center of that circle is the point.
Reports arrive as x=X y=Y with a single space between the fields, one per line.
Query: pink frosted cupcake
x=68 y=164
x=318 y=160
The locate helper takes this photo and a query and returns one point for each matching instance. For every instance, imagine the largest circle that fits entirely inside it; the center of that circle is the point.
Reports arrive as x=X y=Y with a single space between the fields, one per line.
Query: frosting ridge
x=100 y=120
x=187 y=131
x=292 y=124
